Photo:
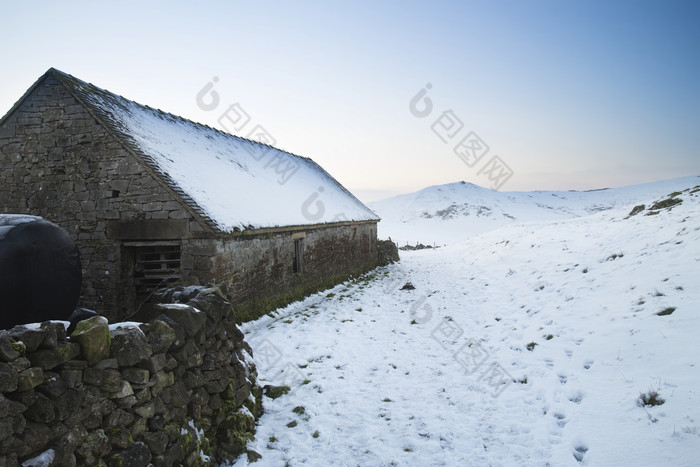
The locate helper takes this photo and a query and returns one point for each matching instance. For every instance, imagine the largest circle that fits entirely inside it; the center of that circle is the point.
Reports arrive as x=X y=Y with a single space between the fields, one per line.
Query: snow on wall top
x=233 y=183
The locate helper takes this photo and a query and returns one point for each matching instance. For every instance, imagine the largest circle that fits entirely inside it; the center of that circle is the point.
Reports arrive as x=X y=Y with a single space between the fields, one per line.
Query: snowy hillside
x=530 y=345
x=447 y=214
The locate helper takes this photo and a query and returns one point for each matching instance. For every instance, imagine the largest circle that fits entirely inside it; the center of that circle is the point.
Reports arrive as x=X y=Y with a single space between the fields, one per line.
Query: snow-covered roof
x=233 y=183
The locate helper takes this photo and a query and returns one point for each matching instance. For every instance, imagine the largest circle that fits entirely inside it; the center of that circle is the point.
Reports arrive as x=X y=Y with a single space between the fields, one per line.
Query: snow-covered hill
x=529 y=345
x=451 y=213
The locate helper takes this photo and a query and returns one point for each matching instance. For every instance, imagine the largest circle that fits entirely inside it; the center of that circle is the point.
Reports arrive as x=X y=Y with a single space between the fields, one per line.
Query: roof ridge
x=114 y=112
x=80 y=94
x=166 y=113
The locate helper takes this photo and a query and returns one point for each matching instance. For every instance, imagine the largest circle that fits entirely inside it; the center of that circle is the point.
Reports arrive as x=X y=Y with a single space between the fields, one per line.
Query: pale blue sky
x=569 y=94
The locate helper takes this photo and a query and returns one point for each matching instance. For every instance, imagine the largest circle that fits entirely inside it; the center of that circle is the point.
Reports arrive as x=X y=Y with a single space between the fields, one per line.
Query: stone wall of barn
x=258 y=271
x=57 y=162
x=179 y=389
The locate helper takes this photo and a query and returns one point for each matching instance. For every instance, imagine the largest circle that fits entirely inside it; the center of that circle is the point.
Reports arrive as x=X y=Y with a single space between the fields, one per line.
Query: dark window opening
x=155 y=266
x=115 y=193
x=298 y=256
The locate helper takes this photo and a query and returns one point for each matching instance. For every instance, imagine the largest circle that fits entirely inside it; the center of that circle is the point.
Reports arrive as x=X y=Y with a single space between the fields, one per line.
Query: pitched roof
x=231 y=182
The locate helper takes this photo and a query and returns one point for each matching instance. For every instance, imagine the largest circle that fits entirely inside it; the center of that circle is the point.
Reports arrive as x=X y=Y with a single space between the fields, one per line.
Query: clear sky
x=568 y=94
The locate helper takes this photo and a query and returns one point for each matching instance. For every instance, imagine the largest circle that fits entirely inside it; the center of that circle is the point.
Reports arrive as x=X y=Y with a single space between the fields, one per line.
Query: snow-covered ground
x=527 y=345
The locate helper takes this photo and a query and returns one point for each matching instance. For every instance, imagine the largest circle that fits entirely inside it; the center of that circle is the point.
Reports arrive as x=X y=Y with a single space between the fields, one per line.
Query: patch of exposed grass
x=614 y=256
x=666 y=311
x=531 y=346
x=666 y=203
x=650 y=399
x=637 y=209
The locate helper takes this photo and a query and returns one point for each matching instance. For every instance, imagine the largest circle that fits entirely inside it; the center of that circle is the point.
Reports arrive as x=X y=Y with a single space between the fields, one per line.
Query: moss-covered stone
x=273 y=392
x=387 y=252
x=235 y=432
x=254 y=402
x=30 y=378
x=9 y=348
x=93 y=336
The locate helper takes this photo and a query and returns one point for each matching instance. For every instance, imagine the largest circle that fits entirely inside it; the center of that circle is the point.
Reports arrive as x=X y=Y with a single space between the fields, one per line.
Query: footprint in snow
x=556 y=430
x=561 y=419
x=576 y=397
x=580 y=450
x=587 y=364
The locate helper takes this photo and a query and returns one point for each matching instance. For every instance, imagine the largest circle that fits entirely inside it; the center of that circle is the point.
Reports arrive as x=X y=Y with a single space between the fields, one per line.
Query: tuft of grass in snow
x=614 y=256
x=666 y=311
x=667 y=203
x=531 y=346
x=637 y=209
x=299 y=410
x=650 y=399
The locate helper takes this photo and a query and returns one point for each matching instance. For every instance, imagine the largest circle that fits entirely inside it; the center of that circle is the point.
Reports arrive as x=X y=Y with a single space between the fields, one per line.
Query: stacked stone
x=176 y=390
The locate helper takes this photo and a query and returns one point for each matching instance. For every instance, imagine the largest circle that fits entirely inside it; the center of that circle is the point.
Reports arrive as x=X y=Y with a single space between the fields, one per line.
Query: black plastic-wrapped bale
x=40 y=271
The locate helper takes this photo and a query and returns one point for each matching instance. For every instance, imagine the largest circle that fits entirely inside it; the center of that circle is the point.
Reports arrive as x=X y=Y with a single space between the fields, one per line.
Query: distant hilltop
x=445 y=214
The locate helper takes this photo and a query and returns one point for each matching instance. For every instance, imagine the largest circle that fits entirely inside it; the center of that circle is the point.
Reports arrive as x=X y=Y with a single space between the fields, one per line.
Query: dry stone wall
x=179 y=389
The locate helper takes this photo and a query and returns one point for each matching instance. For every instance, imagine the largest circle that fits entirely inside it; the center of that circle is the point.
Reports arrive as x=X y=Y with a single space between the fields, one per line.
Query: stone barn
x=152 y=198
